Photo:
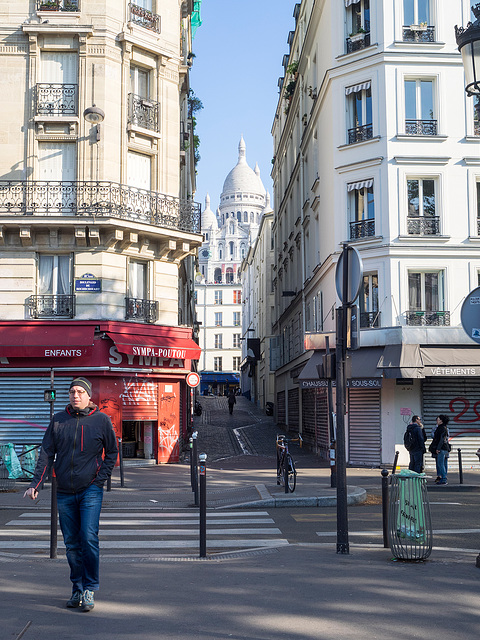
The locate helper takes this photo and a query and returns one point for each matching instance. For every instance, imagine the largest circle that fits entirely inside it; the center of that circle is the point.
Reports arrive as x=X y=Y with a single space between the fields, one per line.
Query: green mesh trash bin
x=409 y=520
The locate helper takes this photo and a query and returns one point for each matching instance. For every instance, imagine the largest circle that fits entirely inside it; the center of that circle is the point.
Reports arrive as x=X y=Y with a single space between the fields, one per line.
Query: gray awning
x=401 y=361
x=309 y=371
x=363 y=364
x=450 y=357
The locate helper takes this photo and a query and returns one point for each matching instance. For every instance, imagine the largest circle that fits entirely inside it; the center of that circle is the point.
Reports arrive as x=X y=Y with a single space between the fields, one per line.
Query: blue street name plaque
x=88 y=284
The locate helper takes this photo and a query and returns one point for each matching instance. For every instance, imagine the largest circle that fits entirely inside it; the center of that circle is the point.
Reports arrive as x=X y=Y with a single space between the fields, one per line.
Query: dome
x=209 y=219
x=242 y=178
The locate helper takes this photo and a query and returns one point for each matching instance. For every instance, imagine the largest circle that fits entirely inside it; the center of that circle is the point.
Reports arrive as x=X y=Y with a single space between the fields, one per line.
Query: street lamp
x=94 y=115
x=468 y=40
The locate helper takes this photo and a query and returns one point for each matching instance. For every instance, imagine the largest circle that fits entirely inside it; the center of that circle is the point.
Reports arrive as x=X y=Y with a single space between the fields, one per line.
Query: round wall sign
x=193 y=379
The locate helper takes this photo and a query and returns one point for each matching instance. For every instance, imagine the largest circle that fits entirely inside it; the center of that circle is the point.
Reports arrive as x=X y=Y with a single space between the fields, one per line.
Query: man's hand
x=31 y=493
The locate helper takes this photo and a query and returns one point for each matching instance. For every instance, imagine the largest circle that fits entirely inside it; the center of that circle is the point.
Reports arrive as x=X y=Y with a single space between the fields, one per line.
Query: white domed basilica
x=228 y=233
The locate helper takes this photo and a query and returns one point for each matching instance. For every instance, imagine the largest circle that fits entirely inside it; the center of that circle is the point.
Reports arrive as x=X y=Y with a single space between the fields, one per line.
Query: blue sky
x=239 y=50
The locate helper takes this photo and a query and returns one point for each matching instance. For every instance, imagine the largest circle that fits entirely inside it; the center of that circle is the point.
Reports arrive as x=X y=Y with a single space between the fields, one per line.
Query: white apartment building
x=377 y=145
x=98 y=229
x=258 y=379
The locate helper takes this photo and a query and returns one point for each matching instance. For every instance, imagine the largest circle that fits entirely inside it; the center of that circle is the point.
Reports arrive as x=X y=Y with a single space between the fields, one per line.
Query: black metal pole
x=203 y=504
x=195 y=468
x=331 y=428
x=285 y=470
x=342 y=511
x=385 y=507
x=460 y=467
x=109 y=483
x=53 y=497
x=120 y=451
x=395 y=460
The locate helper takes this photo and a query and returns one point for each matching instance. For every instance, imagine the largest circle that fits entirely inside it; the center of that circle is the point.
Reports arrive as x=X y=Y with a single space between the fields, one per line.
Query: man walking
x=231 y=401
x=81 y=445
x=415 y=437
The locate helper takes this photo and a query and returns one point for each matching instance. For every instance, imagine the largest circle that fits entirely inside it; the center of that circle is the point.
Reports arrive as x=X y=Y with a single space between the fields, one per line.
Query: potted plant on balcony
x=49 y=5
x=419 y=27
x=358 y=35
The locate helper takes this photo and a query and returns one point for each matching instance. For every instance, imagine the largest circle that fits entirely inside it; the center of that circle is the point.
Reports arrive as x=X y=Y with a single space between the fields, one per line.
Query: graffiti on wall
x=168 y=445
x=139 y=392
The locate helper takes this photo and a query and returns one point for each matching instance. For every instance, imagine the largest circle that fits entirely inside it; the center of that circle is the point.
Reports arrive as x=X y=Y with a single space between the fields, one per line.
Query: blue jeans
x=442 y=461
x=79 y=515
x=416 y=461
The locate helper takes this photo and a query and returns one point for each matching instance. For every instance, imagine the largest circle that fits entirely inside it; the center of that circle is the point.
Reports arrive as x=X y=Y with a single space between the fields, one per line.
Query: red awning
x=45 y=341
x=167 y=347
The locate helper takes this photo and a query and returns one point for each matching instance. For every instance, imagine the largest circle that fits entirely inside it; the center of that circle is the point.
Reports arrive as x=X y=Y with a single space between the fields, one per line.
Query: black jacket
x=440 y=439
x=74 y=443
x=418 y=438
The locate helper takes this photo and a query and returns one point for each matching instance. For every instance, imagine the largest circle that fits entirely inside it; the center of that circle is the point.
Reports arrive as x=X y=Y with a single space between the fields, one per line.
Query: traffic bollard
x=460 y=467
x=195 y=466
x=109 y=483
x=203 y=504
x=395 y=460
x=120 y=450
x=385 y=482
x=53 y=518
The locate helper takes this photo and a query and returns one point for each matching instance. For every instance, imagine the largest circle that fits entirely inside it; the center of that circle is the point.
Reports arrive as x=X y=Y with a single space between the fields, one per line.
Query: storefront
x=137 y=371
x=218 y=383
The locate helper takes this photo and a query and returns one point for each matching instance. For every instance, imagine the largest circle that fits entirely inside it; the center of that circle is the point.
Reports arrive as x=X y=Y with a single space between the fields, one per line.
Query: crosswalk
x=151 y=531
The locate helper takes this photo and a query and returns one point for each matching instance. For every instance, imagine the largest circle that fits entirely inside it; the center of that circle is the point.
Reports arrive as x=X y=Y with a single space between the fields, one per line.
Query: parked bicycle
x=286 y=471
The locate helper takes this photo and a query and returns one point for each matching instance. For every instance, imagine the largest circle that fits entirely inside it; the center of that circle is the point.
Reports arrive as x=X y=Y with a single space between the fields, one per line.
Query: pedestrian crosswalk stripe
x=165 y=514
x=273 y=531
x=151 y=544
x=140 y=522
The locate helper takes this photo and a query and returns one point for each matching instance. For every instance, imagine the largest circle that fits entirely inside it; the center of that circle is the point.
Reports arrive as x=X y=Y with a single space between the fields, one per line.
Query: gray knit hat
x=84 y=383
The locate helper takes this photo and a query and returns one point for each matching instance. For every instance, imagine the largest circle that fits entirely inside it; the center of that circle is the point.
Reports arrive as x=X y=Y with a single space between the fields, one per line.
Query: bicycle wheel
x=292 y=473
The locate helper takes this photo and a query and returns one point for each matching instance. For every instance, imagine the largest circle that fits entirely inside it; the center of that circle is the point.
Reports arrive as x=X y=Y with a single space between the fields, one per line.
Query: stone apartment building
x=98 y=227
x=377 y=145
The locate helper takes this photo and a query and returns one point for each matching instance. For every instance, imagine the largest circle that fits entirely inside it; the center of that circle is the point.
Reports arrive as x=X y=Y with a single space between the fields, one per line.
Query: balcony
x=143 y=112
x=423 y=226
x=369 y=319
x=57 y=5
x=144 y=18
x=52 y=99
x=99 y=199
x=358 y=42
x=51 y=306
x=141 y=310
x=362 y=229
x=421 y=127
x=428 y=318
x=360 y=134
x=418 y=33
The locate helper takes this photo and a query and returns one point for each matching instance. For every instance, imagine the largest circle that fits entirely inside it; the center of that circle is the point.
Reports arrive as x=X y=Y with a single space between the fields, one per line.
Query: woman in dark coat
x=440 y=448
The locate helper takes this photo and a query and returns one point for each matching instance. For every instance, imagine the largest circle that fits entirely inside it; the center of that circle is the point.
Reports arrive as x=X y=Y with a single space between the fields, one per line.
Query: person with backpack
x=414 y=443
x=440 y=448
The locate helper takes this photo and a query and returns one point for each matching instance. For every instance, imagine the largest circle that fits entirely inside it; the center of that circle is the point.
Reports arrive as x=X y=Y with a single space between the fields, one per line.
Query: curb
x=356 y=496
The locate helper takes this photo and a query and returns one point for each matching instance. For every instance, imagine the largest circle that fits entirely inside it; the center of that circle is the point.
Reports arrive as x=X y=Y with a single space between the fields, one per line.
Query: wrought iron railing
x=360 y=134
x=57 y=5
x=421 y=127
x=358 y=42
x=144 y=18
x=138 y=309
x=51 y=306
x=424 y=225
x=428 y=318
x=369 y=319
x=54 y=99
x=417 y=33
x=98 y=198
x=362 y=229
x=143 y=112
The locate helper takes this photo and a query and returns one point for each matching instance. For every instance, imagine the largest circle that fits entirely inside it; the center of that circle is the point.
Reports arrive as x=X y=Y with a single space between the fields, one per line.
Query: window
x=236 y=363
x=217 y=275
x=476 y=115
x=139 y=170
x=368 y=301
x=138 y=306
x=54 y=287
x=231 y=230
x=236 y=318
x=419 y=108
x=218 y=297
x=140 y=82
x=218 y=319
x=426 y=299
x=218 y=341
x=237 y=296
x=478 y=207
x=137 y=280
x=217 y=364
x=57 y=93
x=361 y=209
x=359 y=109
x=57 y=162
x=236 y=341
x=422 y=218
x=229 y=275
x=417 y=21
x=358 y=24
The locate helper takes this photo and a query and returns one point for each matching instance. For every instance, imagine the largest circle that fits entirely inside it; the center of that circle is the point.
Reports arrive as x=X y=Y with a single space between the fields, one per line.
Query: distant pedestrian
x=414 y=441
x=440 y=448
x=81 y=446
x=231 y=400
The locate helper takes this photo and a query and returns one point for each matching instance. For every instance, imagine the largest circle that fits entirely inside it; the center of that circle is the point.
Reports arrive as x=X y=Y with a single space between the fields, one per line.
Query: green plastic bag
x=11 y=461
